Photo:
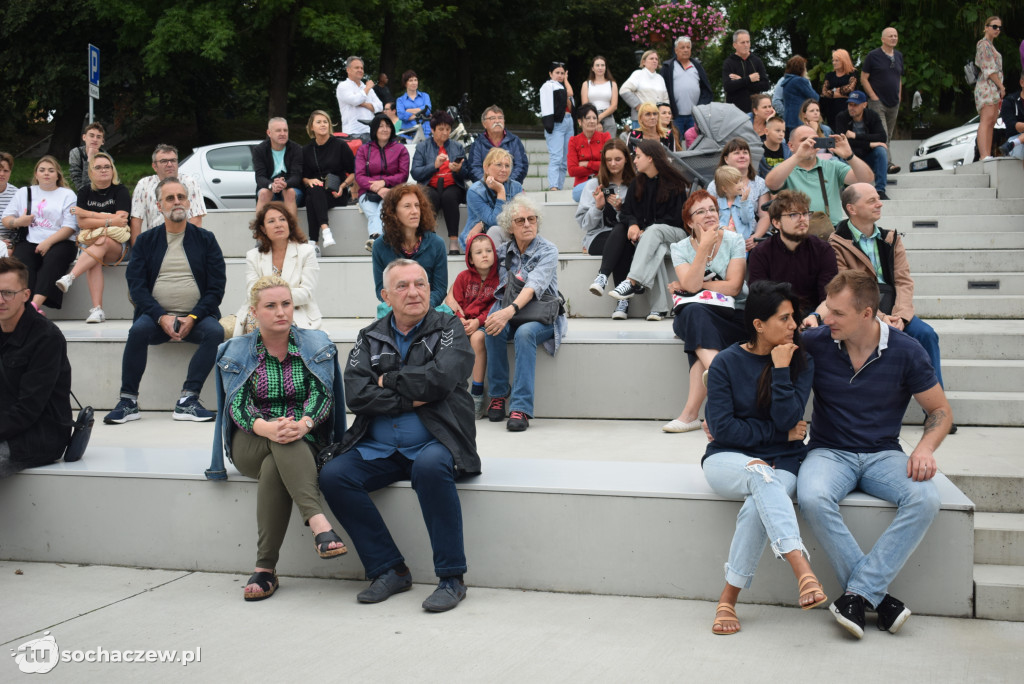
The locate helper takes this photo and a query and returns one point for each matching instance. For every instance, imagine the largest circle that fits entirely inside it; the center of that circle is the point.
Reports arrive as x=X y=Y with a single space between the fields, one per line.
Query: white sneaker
x=370 y=240
x=64 y=284
x=96 y=315
x=328 y=238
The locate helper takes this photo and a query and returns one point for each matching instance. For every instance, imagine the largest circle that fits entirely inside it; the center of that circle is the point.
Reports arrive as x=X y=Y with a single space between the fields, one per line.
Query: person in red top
x=585 y=149
x=471 y=298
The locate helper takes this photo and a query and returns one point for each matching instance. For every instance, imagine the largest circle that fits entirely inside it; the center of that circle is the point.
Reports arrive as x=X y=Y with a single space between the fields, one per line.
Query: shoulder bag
x=544 y=308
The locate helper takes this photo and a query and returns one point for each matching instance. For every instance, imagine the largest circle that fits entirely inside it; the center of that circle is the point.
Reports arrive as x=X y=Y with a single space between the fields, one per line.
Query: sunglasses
x=996 y=27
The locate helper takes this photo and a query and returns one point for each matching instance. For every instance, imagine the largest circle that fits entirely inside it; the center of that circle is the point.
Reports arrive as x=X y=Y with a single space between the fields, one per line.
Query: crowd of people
x=773 y=293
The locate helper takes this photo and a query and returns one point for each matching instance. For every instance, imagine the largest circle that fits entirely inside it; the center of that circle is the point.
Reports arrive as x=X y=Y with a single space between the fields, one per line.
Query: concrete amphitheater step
x=999 y=538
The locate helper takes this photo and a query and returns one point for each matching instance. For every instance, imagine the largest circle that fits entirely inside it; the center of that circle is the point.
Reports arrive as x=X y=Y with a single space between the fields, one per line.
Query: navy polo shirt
x=863 y=411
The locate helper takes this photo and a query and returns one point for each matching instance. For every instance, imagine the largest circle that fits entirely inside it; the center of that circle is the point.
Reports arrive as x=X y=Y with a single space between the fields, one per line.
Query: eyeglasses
x=523 y=220
x=166 y=162
x=180 y=197
x=494 y=117
x=105 y=167
x=700 y=213
x=797 y=215
x=8 y=295
x=996 y=27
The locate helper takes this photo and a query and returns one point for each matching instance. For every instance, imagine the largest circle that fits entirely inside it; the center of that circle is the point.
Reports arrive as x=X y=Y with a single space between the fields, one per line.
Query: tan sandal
x=721 y=622
x=806 y=580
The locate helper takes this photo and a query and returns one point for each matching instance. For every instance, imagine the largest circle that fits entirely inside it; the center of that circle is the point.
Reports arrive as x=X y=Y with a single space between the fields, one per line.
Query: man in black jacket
x=406 y=384
x=866 y=134
x=1012 y=114
x=277 y=162
x=687 y=84
x=35 y=378
x=743 y=73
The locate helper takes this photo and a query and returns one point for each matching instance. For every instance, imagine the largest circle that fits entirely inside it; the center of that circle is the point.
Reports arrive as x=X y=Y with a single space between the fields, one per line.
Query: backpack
x=777 y=103
x=971 y=72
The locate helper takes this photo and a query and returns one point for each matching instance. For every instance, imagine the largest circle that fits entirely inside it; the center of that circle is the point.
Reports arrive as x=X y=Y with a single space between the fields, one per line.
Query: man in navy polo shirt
x=865 y=372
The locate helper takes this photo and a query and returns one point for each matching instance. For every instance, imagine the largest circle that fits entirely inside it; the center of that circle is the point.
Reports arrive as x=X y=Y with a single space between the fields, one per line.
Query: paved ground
x=315 y=628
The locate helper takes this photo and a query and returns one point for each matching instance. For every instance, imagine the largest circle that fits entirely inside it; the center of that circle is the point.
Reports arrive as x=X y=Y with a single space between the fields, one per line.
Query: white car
x=225 y=174
x=949 y=149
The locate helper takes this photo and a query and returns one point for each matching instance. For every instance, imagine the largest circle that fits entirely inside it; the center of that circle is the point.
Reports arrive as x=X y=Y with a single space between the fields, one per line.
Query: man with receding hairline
x=865 y=373
x=881 y=76
x=405 y=381
x=743 y=73
x=277 y=163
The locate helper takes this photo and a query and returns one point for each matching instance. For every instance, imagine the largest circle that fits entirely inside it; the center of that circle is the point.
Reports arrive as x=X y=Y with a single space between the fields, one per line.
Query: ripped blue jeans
x=767 y=515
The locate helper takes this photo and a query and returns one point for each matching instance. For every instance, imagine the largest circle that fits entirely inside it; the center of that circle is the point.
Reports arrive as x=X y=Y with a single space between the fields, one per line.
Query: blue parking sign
x=94 y=65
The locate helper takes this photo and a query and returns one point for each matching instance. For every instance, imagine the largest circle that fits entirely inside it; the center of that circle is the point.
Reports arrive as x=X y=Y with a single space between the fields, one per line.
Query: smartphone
x=177 y=324
x=826 y=143
x=608 y=192
x=460 y=159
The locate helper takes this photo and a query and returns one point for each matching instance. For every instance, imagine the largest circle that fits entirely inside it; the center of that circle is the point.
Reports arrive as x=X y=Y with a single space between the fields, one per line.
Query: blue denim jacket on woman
x=237 y=360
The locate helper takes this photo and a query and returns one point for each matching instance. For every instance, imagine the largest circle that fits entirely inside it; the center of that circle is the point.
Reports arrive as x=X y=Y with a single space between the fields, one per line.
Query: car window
x=234 y=158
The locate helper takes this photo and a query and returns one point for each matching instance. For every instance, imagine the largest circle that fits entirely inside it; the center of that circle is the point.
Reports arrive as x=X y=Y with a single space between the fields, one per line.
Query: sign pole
x=94 y=77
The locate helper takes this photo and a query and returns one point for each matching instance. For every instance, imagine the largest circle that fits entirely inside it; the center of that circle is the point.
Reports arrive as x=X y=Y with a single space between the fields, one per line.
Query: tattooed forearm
x=934 y=420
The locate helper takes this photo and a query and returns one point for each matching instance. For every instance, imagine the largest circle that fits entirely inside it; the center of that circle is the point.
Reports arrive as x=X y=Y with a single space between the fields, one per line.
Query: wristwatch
x=308 y=422
x=847 y=160
x=515 y=306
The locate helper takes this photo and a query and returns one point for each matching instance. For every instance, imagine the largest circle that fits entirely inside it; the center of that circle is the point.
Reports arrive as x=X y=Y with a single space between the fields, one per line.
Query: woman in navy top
x=757 y=394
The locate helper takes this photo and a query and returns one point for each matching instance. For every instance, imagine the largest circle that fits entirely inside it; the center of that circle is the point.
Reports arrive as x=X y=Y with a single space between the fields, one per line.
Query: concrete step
x=975 y=375
x=938 y=179
x=975 y=283
x=580 y=505
x=981 y=263
x=969 y=245
x=925 y=209
x=999 y=538
x=935 y=296
x=969 y=306
x=999 y=488
x=999 y=592
x=951 y=219
x=566 y=387
x=901 y=193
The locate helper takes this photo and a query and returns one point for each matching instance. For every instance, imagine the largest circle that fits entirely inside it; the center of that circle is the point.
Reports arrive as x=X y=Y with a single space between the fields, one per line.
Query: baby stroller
x=717 y=124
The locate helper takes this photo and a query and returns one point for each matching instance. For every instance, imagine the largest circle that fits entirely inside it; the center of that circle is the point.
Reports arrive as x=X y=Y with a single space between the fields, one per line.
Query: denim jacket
x=539 y=266
x=236 y=361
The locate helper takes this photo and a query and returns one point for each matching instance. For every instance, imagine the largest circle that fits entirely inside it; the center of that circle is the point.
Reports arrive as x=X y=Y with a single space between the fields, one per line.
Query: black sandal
x=267 y=582
x=323 y=541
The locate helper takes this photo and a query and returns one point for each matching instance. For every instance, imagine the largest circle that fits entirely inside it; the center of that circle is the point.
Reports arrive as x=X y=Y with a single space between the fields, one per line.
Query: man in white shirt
x=357 y=101
x=145 y=207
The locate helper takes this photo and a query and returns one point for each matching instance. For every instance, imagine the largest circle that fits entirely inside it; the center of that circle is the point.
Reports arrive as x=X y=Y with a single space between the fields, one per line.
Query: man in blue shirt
x=865 y=372
x=406 y=383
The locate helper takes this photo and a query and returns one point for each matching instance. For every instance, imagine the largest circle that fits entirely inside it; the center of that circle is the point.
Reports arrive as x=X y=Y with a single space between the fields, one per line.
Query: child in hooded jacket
x=471 y=297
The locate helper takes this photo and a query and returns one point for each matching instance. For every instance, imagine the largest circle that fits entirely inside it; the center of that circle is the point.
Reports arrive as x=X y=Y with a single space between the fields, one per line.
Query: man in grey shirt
x=176 y=279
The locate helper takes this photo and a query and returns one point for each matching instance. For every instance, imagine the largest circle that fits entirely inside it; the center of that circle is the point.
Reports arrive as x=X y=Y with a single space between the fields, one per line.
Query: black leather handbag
x=81 y=431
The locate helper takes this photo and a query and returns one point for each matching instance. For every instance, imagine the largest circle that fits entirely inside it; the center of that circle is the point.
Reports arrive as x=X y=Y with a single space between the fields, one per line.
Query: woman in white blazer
x=282 y=250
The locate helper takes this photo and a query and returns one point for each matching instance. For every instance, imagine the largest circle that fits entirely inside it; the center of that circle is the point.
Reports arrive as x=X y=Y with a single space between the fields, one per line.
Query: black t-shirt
x=774 y=157
x=108 y=201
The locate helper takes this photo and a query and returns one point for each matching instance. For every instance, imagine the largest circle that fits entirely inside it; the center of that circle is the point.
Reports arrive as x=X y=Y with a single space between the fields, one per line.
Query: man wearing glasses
x=792 y=255
x=35 y=378
x=176 y=279
x=145 y=208
x=493 y=120
x=881 y=74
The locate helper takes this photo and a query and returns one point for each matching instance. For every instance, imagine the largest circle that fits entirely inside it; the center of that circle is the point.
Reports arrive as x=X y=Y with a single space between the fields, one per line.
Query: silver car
x=225 y=174
x=949 y=149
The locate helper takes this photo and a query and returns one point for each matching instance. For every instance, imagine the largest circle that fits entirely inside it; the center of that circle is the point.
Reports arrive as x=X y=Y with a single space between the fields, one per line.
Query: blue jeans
x=767 y=514
x=371 y=210
x=577 y=191
x=207 y=333
x=347 y=480
x=929 y=339
x=527 y=337
x=558 y=151
x=879 y=163
x=827 y=476
x=300 y=197
x=683 y=122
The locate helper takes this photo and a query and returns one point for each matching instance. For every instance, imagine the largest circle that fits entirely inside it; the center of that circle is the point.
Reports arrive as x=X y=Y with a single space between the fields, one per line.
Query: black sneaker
x=891 y=614
x=1006 y=147
x=848 y=609
x=626 y=289
x=517 y=422
x=882 y=195
x=496 y=411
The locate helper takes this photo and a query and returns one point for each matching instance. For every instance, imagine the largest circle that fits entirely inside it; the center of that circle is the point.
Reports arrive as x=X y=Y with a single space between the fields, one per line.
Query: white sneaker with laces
x=96 y=315
x=328 y=238
x=64 y=284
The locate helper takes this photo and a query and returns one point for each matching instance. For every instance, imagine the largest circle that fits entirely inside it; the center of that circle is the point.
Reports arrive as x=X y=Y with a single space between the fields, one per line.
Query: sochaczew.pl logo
x=39 y=656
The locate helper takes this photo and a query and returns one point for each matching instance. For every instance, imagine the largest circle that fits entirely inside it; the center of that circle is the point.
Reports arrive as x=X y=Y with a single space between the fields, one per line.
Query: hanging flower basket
x=662 y=24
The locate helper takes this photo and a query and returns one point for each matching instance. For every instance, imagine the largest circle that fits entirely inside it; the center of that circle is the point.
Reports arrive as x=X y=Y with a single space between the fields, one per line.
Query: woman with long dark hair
x=651 y=219
x=757 y=393
x=601 y=90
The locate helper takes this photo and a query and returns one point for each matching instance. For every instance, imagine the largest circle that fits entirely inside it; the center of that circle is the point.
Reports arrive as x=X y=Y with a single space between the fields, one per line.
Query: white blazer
x=300 y=269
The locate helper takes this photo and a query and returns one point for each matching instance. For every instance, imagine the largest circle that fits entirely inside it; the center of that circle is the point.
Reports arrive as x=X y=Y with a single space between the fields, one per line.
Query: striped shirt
x=6 y=195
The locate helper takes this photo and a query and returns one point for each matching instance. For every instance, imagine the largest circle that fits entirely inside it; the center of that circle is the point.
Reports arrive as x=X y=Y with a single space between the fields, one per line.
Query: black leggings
x=318 y=201
x=616 y=252
x=447 y=202
x=45 y=271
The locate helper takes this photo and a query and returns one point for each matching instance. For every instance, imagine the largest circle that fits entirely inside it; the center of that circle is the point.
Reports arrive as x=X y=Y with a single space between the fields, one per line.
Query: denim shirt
x=237 y=360
x=539 y=267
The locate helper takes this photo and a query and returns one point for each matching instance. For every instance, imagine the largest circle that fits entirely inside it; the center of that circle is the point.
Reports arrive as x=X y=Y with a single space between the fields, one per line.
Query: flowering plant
x=667 y=22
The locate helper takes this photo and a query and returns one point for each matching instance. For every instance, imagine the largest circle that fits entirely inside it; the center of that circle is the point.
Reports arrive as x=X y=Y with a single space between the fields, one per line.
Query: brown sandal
x=721 y=622
x=804 y=581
